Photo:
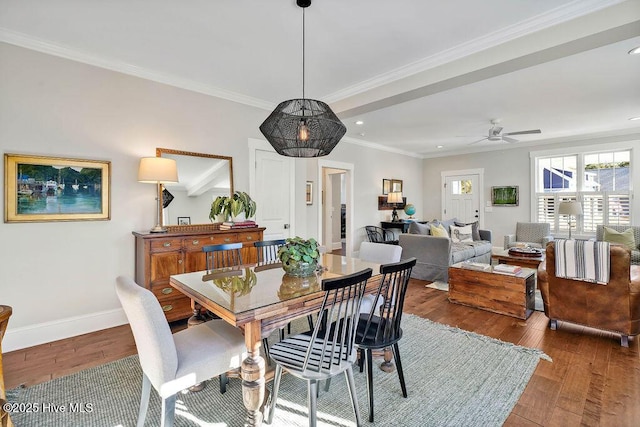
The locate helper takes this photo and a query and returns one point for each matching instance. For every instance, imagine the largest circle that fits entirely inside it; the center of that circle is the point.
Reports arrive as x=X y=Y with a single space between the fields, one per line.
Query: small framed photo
x=309 y=193
x=184 y=220
x=44 y=189
x=386 y=186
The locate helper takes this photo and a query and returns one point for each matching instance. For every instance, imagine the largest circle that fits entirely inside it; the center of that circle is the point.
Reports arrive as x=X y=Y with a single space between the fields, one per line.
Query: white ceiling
x=419 y=73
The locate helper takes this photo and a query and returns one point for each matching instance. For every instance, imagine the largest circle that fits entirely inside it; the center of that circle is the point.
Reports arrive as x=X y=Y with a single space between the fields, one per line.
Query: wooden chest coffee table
x=500 y=293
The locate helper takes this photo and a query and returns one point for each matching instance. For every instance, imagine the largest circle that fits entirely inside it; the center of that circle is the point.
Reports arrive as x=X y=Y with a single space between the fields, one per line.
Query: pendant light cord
x=303 y=32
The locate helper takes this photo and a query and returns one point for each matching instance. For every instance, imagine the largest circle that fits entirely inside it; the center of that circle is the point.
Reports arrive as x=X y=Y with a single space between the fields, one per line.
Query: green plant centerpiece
x=224 y=208
x=299 y=257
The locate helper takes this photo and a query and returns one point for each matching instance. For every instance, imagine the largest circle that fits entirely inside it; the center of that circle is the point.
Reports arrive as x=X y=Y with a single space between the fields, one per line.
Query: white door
x=462 y=199
x=272 y=194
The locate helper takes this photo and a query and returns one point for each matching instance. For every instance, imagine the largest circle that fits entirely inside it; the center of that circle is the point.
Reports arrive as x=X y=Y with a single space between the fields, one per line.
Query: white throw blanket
x=584 y=260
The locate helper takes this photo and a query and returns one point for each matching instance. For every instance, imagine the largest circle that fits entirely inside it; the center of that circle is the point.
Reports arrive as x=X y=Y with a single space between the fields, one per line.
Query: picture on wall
x=42 y=189
x=504 y=196
x=309 y=193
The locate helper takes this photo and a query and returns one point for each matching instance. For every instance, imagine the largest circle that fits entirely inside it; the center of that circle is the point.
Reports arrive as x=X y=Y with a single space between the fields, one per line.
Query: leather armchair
x=533 y=234
x=613 y=307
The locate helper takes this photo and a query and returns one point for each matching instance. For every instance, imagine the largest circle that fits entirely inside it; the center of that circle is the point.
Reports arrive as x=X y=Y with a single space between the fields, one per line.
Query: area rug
x=454 y=378
x=444 y=286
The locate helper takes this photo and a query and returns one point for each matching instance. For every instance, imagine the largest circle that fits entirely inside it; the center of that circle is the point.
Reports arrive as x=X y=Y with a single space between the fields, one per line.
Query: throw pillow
x=438 y=231
x=625 y=237
x=461 y=234
x=475 y=234
x=417 y=228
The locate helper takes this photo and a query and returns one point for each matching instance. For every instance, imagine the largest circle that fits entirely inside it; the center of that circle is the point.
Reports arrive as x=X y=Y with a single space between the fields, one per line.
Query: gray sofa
x=434 y=254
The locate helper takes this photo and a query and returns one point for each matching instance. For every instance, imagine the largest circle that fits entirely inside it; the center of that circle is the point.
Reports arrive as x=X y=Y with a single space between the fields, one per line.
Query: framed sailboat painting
x=42 y=189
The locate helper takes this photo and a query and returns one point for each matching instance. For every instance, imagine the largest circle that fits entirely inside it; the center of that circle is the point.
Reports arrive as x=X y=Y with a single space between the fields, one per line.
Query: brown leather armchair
x=614 y=307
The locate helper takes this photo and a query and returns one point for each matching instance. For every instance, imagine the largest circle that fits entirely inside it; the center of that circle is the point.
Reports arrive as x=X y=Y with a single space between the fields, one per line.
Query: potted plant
x=299 y=257
x=224 y=208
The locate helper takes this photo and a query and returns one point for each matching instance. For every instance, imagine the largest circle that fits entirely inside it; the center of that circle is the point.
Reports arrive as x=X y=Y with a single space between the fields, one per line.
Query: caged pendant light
x=303 y=127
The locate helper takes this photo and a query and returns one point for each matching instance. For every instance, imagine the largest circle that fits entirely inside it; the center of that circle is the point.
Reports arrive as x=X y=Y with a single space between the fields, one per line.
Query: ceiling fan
x=495 y=133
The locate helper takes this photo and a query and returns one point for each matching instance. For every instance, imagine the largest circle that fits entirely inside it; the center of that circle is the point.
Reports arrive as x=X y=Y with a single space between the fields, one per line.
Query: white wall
x=512 y=167
x=59 y=276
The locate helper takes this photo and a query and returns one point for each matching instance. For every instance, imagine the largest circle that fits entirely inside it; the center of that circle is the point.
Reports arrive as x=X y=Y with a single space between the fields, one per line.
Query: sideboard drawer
x=162 y=245
x=249 y=237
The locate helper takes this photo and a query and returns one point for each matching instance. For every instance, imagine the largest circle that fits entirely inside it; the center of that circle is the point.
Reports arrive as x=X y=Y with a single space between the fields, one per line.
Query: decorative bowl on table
x=525 y=252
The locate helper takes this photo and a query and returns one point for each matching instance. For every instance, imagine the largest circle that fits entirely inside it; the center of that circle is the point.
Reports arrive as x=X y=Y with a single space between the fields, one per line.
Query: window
x=600 y=181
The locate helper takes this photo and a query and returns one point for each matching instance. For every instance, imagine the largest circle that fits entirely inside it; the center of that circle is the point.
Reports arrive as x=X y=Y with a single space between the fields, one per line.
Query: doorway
x=335 y=225
x=463 y=195
x=270 y=187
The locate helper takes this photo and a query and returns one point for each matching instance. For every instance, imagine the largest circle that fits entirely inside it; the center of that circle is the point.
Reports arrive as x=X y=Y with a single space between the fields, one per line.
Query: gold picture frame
x=43 y=189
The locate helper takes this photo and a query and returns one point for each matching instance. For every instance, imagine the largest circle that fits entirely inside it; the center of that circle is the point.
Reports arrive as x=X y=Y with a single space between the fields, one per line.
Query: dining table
x=260 y=300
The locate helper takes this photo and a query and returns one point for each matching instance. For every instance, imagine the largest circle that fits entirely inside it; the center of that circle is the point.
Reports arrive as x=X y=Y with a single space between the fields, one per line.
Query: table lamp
x=394 y=198
x=157 y=170
x=570 y=209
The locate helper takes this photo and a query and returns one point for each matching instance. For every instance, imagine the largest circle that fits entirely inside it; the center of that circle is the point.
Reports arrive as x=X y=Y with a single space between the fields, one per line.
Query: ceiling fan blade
x=480 y=140
x=507 y=139
x=524 y=132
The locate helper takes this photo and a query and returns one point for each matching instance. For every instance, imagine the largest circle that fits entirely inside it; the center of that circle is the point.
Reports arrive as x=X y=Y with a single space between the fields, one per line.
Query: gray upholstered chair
x=172 y=363
x=379 y=253
x=533 y=234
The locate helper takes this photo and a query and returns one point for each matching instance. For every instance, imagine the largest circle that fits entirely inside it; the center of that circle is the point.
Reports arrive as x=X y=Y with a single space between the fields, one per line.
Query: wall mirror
x=201 y=178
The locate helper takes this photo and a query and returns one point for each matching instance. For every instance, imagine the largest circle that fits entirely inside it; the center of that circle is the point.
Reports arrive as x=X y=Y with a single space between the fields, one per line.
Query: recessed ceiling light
x=439 y=146
x=634 y=51
x=635 y=118
x=359 y=122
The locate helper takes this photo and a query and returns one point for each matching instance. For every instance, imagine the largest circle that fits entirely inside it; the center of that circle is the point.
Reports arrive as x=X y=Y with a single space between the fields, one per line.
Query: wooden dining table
x=261 y=299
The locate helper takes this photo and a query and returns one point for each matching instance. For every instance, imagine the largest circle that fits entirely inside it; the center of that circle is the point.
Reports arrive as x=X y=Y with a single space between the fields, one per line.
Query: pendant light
x=303 y=127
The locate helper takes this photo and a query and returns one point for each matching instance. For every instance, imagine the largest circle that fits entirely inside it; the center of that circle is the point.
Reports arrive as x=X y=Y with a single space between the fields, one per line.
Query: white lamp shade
x=157 y=169
x=570 y=208
x=394 y=197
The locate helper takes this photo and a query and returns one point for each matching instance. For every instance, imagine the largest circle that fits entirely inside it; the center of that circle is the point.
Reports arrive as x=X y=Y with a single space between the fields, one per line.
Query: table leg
x=253 y=370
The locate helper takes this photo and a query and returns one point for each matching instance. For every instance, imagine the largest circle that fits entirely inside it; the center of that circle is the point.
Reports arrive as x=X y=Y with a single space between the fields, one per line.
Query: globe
x=410 y=209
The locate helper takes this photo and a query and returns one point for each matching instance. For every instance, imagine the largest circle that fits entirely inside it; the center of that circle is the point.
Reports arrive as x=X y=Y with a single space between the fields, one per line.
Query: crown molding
x=553 y=17
x=380 y=147
x=34 y=43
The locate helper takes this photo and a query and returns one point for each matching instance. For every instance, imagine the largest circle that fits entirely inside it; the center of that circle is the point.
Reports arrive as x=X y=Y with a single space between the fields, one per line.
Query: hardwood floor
x=591 y=382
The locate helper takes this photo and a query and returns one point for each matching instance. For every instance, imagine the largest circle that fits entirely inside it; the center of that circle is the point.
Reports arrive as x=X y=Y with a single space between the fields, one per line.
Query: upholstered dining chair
x=322 y=354
x=533 y=234
x=380 y=254
x=171 y=363
x=225 y=255
x=381 y=328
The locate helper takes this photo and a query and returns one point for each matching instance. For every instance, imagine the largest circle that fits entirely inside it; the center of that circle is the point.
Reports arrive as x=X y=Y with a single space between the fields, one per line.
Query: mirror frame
x=171 y=228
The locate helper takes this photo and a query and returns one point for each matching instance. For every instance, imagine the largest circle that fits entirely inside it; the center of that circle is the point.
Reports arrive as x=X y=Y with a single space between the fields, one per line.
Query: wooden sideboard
x=160 y=255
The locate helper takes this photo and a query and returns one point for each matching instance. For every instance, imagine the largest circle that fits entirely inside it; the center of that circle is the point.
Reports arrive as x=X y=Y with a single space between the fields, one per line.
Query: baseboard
x=28 y=336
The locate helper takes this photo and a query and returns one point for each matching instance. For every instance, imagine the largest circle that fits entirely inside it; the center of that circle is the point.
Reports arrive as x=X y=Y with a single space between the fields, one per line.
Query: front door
x=462 y=198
